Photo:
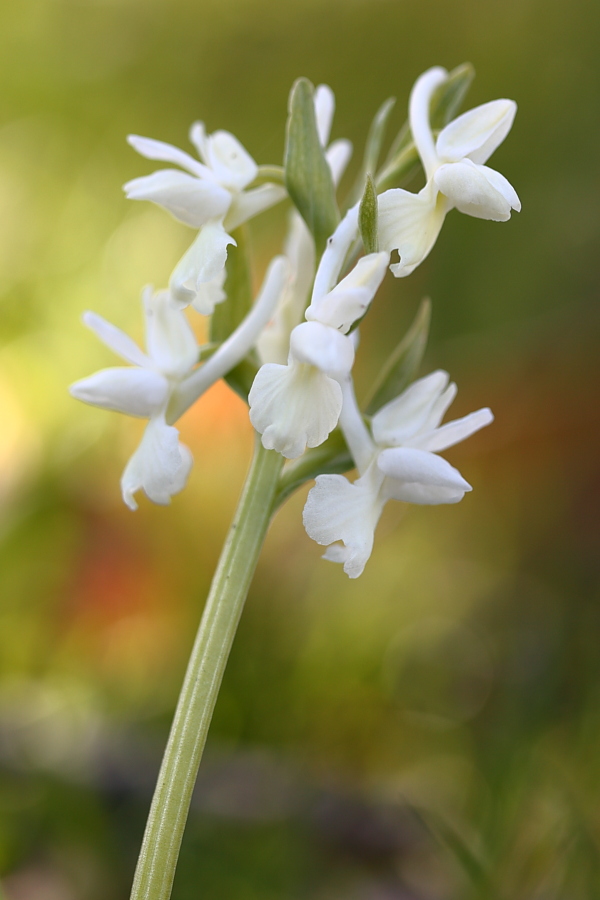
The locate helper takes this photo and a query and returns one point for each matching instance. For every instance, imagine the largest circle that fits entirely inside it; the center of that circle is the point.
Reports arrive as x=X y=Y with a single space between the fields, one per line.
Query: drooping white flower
x=299 y=249
x=455 y=172
x=161 y=464
x=297 y=405
x=209 y=195
x=403 y=465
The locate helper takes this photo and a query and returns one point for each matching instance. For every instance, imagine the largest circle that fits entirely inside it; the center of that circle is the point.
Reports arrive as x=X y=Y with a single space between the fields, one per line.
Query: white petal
x=201 y=263
x=453 y=432
x=250 y=203
x=273 y=343
x=323 y=347
x=209 y=294
x=337 y=510
x=410 y=224
x=477 y=133
x=199 y=139
x=335 y=254
x=152 y=149
x=324 y=101
x=418 y=114
x=160 y=465
x=350 y=299
x=473 y=191
x=171 y=343
x=191 y=200
x=119 y=342
x=416 y=476
x=232 y=165
x=405 y=416
x=294 y=407
x=136 y=392
x=338 y=156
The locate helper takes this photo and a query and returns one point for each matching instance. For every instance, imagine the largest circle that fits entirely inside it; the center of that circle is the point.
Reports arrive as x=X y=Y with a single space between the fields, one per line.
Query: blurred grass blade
x=448 y=98
x=307 y=174
x=472 y=864
x=330 y=458
x=403 y=364
x=373 y=146
x=367 y=217
x=232 y=311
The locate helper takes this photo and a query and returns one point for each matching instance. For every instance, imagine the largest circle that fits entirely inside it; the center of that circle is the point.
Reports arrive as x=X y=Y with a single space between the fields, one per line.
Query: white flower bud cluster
x=304 y=388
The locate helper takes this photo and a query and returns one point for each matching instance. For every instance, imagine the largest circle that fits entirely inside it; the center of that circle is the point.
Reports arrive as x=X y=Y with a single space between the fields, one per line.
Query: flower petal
x=191 y=200
x=338 y=156
x=324 y=101
x=134 y=391
x=248 y=204
x=453 y=432
x=405 y=416
x=477 y=190
x=294 y=407
x=171 y=343
x=323 y=347
x=152 y=149
x=476 y=133
x=337 y=510
x=209 y=294
x=350 y=299
x=416 y=476
x=160 y=465
x=201 y=263
x=119 y=342
x=231 y=164
x=410 y=224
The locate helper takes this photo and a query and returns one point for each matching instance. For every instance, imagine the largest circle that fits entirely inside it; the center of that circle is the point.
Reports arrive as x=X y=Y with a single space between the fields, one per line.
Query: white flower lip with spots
x=407 y=435
x=457 y=176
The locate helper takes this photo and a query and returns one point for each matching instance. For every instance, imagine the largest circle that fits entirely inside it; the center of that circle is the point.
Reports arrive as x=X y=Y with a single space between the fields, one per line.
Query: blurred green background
x=428 y=732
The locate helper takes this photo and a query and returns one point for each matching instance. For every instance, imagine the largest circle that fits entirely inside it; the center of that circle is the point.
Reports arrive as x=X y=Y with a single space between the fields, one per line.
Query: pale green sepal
x=330 y=458
x=229 y=314
x=367 y=216
x=447 y=99
x=373 y=145
x=401 y=367
x=307 y=174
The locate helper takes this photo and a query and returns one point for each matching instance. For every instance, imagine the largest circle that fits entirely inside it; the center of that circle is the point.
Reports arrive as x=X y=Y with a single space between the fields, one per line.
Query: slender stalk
x=170 y=804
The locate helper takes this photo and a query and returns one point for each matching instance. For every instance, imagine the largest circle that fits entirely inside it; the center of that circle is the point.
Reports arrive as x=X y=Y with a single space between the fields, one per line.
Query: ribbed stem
x=168 y=813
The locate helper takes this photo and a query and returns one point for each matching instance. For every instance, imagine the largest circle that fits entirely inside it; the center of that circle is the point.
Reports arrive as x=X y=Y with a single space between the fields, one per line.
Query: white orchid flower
x=299 y=249
x=455 y=172
x=297 y=405
x=161 y=464
x=163 y=382
x=209 y=195
x=400 y=462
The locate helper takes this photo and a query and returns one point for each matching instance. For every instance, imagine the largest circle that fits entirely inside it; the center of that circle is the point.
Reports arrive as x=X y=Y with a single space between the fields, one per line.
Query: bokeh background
x=428 y=732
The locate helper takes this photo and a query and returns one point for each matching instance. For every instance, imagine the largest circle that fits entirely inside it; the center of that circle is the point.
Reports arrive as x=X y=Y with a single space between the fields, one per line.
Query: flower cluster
x=302 y=328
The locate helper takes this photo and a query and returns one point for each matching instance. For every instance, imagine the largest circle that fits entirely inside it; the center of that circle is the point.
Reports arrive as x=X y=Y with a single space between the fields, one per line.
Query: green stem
x=170 y=804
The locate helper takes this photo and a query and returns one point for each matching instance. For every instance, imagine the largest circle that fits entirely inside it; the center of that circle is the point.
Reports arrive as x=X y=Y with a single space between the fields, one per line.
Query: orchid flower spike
x=404 y=465
x=210 y=195
x=455 y=172
x=161 y=464
x=297 y=405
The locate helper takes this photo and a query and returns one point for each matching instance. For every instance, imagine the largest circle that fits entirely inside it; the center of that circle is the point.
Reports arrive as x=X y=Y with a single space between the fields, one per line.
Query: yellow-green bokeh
x=430 y=730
